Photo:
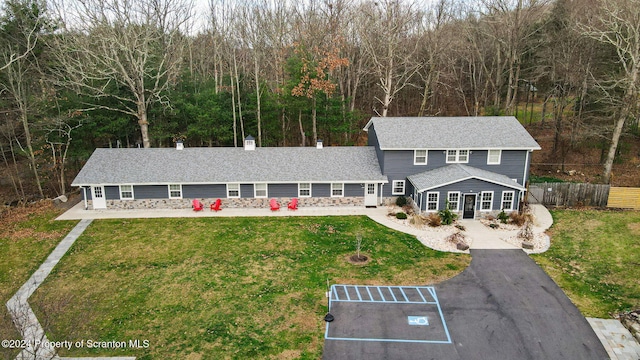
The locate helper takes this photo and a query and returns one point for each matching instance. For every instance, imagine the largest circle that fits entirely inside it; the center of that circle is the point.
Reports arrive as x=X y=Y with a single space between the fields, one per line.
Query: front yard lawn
x=595 y=258
x=27 y=236
x=216 y=288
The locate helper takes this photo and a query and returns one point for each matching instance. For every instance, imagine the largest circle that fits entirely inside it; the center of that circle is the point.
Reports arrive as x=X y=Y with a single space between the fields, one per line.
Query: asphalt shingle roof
x=482 y=132
x=224 y=165
x=455 y=173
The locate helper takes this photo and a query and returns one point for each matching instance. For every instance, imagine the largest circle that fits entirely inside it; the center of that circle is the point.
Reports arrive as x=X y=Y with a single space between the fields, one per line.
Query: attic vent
x=179 y=145
x=249 y=143
x=319 y=144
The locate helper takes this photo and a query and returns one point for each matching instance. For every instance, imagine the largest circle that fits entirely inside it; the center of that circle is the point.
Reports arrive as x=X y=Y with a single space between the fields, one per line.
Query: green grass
x=595 y=258
x=27 y=236
x=216 y=288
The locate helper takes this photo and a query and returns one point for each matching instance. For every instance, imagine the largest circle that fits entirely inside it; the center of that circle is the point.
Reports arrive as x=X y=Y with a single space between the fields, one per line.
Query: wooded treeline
x=121 y=73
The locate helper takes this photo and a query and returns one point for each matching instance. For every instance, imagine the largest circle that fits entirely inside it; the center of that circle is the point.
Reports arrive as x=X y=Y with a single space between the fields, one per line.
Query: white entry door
x=370 y=194
x=97 y=195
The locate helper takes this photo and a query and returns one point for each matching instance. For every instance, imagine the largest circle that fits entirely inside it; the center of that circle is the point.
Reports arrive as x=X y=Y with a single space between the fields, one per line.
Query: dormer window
x=457 y=156
x=249 y=143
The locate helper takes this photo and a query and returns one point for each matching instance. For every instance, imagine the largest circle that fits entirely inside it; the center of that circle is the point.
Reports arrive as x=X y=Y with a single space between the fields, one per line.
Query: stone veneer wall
x=230 y=203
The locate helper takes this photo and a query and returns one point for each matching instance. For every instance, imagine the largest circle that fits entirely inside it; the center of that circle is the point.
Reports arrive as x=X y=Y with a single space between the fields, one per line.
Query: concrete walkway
x=39 y=347
x=617 y=340
x=483 y=237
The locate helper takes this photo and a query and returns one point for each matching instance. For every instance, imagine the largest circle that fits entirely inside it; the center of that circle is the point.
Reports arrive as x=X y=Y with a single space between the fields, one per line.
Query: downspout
x=526 y=167
x=86 y=205
x=381 y=188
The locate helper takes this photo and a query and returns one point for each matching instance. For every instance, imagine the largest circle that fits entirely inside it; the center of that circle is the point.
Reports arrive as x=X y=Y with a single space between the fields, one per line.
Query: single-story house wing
x=241 y=177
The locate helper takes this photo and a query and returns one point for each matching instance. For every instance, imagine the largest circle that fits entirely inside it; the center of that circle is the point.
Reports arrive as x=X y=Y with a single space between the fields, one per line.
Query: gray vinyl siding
x=151 y=191
x=372 y=140
x=246 y=190
x=204 y=191
x=353 y=190
x=112 y=193
x=512 y=163
x=282 y=190
x=320 y=190
x=471 y=186
x=399 y=164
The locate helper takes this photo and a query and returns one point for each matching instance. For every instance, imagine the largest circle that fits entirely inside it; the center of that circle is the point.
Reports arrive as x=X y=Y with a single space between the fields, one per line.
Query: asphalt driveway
x=504 y=306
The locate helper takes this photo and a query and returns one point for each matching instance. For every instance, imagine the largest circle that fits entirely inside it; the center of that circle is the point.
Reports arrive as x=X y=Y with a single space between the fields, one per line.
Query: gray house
x=474 y=165
x=241 y=177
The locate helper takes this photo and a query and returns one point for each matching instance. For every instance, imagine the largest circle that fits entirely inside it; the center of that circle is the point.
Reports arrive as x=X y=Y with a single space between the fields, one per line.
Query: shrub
x=461 y=227
x=503 y=217
x=434 y=219
x=401 y=216
x=401 y=201
x=419 y=220
x=518 y=219
x=447 y=216
x=494 y=226
x=408 y=209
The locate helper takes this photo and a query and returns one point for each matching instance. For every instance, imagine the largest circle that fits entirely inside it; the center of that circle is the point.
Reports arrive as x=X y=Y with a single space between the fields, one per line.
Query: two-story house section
x=476 y=165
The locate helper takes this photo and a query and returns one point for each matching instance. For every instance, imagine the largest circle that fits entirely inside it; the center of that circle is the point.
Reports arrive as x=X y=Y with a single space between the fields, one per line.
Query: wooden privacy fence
x=569 y=194
x=624 y=198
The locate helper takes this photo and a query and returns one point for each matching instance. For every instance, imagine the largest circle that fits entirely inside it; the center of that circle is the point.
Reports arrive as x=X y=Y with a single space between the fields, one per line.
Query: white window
x=432 y=201
x=507 y=200
x=419 y=157
x=463 y=156
x=493 y=157
x=457 y=156
x=454 y=200
x=304 y=190
x=175 y=191
x=126 y=192
x=233 y=190
x=260 y=190
x=398 y=187
x=486 y=200
x=337 y=190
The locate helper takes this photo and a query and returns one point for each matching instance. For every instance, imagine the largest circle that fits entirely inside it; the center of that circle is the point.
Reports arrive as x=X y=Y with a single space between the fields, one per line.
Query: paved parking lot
x=502 y=307
x=412 y=312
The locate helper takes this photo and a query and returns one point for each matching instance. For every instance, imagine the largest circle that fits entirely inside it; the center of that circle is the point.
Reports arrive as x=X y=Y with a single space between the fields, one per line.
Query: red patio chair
x=293 y=204
x=216 y=205
x=197 y=205
x=274 y=205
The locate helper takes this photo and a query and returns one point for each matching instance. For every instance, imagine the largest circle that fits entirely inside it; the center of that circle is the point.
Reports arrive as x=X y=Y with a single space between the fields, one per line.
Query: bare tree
x=128 y=51
x=388 y=30
x=617 y=24
x=23 y=23
x=58 y=135
x=30 y=33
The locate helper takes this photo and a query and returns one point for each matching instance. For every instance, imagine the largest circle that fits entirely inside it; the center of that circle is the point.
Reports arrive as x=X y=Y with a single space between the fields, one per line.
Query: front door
x=370 y=194
x=97 y=195
x=469 y=206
